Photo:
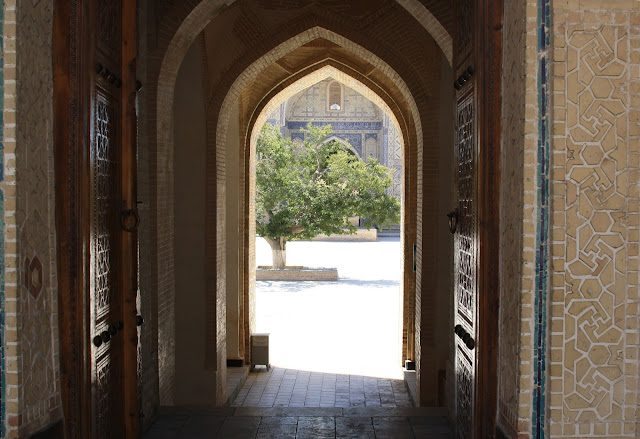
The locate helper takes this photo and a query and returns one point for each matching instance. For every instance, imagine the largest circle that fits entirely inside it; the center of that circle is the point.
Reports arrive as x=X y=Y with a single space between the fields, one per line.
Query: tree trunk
x=278 y=252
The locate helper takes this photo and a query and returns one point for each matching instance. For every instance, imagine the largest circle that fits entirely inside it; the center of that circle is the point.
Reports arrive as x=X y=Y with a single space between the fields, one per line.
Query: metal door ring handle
x=129 y=220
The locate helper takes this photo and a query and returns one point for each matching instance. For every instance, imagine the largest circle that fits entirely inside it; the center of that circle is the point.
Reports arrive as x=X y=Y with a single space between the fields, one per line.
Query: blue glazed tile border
x=2 y=267
x=542 y=230
x=2 y=272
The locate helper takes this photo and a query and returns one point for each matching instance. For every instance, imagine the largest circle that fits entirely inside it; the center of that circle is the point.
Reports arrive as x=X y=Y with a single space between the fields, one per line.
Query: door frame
x=71 y=133
x=488 y=55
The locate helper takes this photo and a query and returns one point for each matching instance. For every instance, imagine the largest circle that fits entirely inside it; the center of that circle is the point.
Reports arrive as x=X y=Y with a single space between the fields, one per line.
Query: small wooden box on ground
x=260 y=350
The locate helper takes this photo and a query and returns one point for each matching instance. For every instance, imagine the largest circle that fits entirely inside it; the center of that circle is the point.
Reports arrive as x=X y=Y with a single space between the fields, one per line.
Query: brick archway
x=258 y=116
x=411 y=131
x=395 y=75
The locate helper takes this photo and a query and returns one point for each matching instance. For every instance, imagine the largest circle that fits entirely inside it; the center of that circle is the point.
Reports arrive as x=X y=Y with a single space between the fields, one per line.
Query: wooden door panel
x=106 y=296
x=94 y=80
x=466 y=263
x=466 y=249
x=477 y=112
x=464 y=393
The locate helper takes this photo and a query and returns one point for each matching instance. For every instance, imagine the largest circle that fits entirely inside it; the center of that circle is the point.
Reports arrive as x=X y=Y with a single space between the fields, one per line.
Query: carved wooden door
x=112 y=222
x=477 y=70
x=94 y=44
x=466 y=250
x=106 y=304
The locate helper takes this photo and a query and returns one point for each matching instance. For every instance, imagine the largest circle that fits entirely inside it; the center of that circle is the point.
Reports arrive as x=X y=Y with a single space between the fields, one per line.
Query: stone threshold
x=236 y=376
x=410 y=380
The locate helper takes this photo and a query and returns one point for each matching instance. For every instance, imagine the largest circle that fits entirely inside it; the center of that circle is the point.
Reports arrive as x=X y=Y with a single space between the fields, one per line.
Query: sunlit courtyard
x=352 y=326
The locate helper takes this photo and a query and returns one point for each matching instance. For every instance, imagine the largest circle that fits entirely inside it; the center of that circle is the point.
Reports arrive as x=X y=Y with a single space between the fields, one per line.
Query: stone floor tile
x=304 y=423
x=354 y=428
x=279 y=431
x=159 y=432
x=316 y=427
x=239 y=427
x=279 y=420
x=321 y=422
x=392 y=428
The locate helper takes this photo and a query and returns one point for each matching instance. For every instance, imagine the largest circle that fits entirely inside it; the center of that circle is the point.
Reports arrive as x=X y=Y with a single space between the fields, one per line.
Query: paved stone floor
x=301 y=423
x=340 y=332
x=280 y=387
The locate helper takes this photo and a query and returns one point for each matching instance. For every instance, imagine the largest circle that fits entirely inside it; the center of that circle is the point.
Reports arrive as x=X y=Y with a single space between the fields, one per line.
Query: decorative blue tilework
x=542 y=230
x=354 y=140
x=338 y=126
x=2 y=267
x=295 y=136
x=2 y=344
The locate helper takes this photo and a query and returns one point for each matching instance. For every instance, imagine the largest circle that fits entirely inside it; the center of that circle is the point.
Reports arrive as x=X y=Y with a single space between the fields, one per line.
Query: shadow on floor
x=300 y=423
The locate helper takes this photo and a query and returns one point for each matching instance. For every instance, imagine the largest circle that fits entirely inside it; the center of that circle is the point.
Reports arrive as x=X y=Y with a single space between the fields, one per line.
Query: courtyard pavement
x=352 y=326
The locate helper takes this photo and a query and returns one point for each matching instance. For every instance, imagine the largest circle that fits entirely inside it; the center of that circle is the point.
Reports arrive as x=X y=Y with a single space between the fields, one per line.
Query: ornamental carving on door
x=465 y=253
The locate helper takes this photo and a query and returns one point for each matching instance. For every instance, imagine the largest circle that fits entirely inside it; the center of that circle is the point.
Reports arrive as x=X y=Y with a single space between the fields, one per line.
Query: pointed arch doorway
x=481 y=118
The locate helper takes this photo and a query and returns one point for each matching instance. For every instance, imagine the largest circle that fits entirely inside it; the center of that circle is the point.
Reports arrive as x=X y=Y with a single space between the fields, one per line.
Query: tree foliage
x=303 y=191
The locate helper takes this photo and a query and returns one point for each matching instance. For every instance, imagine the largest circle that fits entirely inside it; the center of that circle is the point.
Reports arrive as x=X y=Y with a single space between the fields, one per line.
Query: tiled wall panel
x=38 y=392
x=593 y=365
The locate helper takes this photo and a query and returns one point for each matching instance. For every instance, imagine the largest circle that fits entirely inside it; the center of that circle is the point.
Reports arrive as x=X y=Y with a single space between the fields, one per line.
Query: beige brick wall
x=8 y=187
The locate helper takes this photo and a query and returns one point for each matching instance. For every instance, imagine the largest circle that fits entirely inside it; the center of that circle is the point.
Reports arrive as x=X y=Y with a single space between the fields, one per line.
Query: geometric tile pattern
x=36 y=346
x=595 y=296
x=33 y=276
x=37 y=324
x=596 y=255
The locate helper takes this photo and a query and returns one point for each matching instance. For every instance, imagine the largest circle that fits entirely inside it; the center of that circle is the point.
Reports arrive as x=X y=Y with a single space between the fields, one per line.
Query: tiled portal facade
x=357 y=120
x=579 y=378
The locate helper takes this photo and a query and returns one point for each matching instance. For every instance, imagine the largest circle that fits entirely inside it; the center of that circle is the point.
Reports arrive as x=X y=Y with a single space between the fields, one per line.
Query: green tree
x=311 y=189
